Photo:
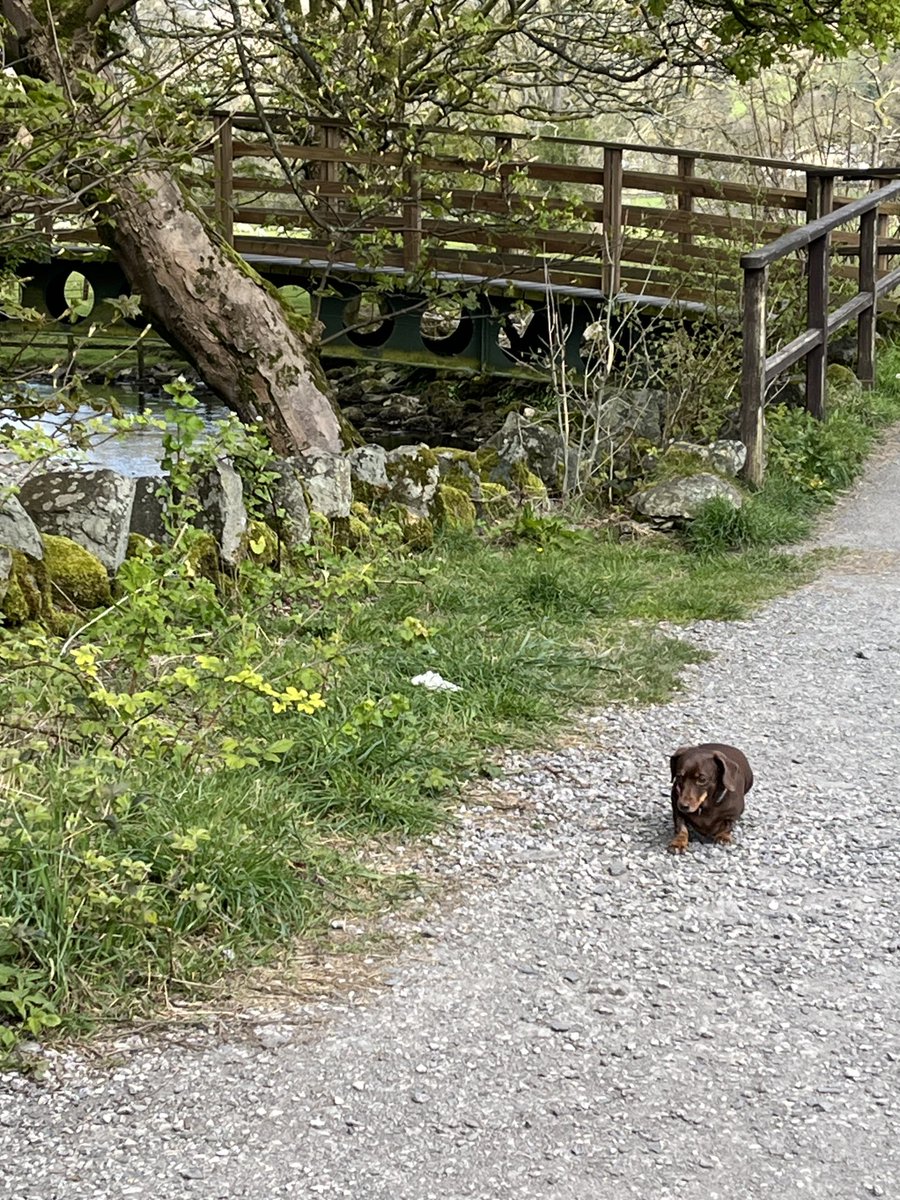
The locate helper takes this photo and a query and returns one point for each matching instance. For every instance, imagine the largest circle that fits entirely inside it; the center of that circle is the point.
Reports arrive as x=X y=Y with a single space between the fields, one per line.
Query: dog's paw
x=678 y=844
x=723 y=839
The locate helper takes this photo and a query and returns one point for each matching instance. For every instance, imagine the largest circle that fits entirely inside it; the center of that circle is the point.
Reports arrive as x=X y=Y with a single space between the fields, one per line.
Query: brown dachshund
x=709 y=783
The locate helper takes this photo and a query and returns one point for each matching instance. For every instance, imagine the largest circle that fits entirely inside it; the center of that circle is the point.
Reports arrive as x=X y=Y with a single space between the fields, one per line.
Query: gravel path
x=597 y=1019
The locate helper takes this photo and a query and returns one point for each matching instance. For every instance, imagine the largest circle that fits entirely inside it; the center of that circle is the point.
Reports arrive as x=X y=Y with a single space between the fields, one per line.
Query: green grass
x=528 y=632
x=809 y=464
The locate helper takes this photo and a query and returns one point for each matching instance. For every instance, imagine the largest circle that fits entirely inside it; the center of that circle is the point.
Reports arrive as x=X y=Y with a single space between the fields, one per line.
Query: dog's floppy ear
x=675 y=760
x=729 y=770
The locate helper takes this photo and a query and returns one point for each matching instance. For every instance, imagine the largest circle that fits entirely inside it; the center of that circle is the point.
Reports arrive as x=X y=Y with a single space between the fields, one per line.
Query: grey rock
x=5 y=571
x=414 y=477
x=727 y=455
x=92 y=506
x=326 y=482
x=399 y=408
x=17 y=530
x=223 y=513
x=540 y=447
x=682 y=499
x=273 y=1036
x=147 y=511
x=368 y=465
x=624 y=413
x=289 y=498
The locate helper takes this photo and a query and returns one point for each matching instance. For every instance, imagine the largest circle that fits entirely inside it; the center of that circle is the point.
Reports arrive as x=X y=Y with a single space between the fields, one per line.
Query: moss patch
x=676 y=463
x=76 y=575
x=841 y=378
x=416 y=532
x=261 y=544
x=453 y=508
x=496 y=502
x=203 y=557
x=28 y=591
x=140 y=546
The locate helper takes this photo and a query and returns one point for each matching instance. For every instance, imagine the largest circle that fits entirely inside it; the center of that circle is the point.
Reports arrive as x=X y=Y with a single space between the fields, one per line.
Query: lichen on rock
x=414 y=474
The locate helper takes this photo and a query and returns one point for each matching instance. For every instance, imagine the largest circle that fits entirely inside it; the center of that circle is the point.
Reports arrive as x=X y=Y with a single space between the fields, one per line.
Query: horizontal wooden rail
x=758 y=370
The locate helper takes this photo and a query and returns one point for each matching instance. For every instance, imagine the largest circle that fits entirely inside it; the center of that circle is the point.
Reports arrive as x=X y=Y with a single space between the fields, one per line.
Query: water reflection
x=137 y=451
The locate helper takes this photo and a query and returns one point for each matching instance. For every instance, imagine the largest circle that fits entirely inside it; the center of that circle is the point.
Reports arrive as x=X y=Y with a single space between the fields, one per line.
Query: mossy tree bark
x=192 y=287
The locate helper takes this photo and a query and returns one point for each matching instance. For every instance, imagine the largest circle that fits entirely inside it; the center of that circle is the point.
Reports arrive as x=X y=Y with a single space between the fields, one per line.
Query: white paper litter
x=435 y=682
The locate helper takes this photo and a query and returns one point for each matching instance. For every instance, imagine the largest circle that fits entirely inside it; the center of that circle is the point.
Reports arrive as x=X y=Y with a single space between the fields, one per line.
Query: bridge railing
x=610 y=216
x=760 y=370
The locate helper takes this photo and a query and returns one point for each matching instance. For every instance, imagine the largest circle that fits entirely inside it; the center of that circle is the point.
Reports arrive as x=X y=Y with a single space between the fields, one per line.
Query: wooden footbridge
x=504 y=252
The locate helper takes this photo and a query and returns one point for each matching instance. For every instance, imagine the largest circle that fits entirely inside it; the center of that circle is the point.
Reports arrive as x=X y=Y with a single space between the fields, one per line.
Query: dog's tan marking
x=723 y=838
x=679 y=842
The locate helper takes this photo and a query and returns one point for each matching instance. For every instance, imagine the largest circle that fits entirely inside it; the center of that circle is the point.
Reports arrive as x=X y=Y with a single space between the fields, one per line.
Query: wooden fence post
x=819 y=195
x=882 y=227
x=686 y=165
x=817 y=318
x=865 y=327
x=412 y=218
x=329 y=170
x=503 y=149
x=753 y=374
x=223 y=167
x=612 y=221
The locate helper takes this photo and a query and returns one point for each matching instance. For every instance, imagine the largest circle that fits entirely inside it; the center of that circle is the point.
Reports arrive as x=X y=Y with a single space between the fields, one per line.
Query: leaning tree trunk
x=232 y=329
x=191 y=287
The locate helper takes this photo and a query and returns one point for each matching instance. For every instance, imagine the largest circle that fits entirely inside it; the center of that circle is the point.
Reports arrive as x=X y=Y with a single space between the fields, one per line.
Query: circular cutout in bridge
x=446 y=328
x=367 y=320
x=69 y=296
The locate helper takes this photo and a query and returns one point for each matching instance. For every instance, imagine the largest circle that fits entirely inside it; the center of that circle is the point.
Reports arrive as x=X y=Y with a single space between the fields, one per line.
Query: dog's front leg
x=722 y=836
x=679 y=842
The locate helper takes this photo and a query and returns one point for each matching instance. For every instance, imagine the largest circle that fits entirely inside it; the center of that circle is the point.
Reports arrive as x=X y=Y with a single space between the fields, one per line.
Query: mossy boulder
x=202 y=556
x=841 y=378
x=415 y=532
x=414 y=474
x=512 y=476
x=487 y=460
x=678 y=461
x=261 y=544
x=496 y=502
x=530 y=485
x=76 y=576
x=27 y=595
x=459 y=469
x=453 y=508
x=725 y=456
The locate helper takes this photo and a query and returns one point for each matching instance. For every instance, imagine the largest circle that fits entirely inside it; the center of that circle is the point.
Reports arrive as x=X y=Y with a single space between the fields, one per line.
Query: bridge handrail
x=758 y=370
x=251 y=120
x=799 y=239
